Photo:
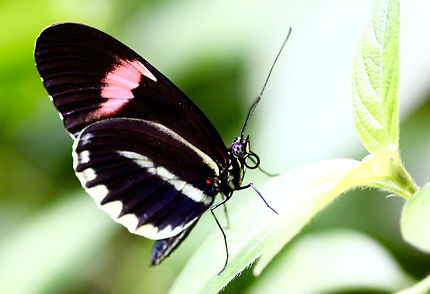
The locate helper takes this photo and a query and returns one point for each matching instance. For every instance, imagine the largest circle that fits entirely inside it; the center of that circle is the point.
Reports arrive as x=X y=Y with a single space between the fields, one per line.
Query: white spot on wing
x=195 y=194
x=165 y=174
x=86 y=138
x=148 y=231
x=98 y=192
x=129 y=221
x=152 y=232
x=75 y=154
x=113 y=209
x=178 y=184
x=84 y=157
x=139 y=159
x=87 y=175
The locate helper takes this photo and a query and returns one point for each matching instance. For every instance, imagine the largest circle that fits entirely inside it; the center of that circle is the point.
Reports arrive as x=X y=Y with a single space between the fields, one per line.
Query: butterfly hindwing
x=162 y=248
x=144 y=175
x=91 y=76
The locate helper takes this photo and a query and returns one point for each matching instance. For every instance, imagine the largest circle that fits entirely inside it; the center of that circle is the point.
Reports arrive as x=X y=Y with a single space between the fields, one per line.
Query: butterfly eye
x=237 y=149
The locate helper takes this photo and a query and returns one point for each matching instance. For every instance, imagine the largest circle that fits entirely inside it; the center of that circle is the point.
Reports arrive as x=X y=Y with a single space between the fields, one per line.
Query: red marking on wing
x=209 y=182
x=222 y=154
x=118 y=86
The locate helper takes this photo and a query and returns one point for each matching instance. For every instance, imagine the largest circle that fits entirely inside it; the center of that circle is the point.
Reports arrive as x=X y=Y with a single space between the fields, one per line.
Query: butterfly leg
x=226 y=214
x=259 y=194
x=222 y=231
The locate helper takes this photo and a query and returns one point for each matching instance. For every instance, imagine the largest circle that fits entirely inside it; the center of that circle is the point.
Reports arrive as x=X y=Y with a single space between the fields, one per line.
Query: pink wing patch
x=118 y=86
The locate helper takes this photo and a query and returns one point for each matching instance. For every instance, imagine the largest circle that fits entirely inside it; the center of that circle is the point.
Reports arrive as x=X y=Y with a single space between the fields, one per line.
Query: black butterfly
x=146 y=154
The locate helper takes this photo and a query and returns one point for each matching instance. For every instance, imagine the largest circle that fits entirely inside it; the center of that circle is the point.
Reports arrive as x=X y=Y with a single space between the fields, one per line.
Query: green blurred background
x=53 y=238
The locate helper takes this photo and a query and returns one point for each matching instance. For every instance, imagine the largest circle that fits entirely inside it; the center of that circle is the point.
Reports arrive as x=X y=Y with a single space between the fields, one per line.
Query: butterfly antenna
x=265 y=83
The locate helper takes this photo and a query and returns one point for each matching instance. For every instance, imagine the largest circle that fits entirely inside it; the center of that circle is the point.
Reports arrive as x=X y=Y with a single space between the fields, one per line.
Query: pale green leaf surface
x=422 y=287
x=374 y=79
x=297 y=195
x=332 y=261
x=52 y=247
x=415 y=219
x=309 y=189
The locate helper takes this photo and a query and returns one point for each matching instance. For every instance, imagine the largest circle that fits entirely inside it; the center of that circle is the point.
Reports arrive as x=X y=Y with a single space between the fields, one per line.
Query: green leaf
x=317 y=257
x=422 y=287
x=374 y=79
x=297 y=195
x=415 y=220
x=306 y=191
x=374 y=94
x=47 y=253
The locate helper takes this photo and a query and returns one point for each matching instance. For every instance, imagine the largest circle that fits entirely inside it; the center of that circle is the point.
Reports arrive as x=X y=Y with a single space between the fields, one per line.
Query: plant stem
x=386 y=171
x=403 y=178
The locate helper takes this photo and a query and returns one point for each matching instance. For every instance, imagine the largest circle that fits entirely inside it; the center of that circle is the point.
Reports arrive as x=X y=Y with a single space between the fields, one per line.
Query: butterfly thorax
x=231 y=176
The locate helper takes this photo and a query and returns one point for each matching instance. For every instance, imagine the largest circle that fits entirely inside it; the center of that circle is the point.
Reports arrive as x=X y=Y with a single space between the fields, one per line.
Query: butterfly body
x=144 y=151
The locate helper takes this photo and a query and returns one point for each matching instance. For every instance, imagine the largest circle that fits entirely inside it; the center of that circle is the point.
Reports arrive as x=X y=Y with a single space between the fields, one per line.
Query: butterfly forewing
x=144 y=175
x=92 y=76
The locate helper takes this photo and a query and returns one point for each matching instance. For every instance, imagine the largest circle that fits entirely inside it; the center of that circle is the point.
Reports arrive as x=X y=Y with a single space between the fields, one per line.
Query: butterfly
x=142 y=149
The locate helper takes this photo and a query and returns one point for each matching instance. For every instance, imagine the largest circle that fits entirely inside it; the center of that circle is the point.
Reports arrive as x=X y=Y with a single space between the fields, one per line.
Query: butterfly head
x=232 y=176
x=240 y=149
